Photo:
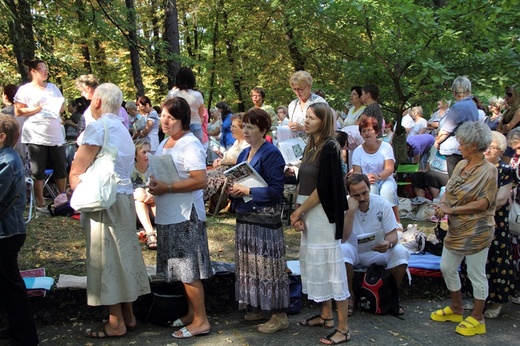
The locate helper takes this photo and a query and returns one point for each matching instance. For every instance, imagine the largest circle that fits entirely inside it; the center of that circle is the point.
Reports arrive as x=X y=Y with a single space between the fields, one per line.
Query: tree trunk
x=134 y=53
x=296 y=56
x=214 y=57
x=85 y=36
x=21 y=34
x=237 y=79
x=158 y=59
x=171 y=37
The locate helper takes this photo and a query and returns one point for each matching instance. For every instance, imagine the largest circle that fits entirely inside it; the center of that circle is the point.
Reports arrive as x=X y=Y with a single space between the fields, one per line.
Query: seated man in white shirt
x=370 y=214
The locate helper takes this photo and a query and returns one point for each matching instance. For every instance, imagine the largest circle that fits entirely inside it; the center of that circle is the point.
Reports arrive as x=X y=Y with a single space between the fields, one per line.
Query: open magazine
x=244 y=174
x=292 y=150
x=367 y=241
x=163 y=169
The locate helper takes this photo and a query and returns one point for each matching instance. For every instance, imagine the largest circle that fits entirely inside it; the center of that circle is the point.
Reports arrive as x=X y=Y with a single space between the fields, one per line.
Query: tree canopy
x=412 y=49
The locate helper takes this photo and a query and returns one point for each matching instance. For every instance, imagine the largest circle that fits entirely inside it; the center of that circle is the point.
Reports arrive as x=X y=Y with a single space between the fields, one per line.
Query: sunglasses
x=509 y=94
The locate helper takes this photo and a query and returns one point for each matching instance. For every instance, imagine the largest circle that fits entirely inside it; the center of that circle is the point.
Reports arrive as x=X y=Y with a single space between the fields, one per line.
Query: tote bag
x=97 y=188
x=514 y=214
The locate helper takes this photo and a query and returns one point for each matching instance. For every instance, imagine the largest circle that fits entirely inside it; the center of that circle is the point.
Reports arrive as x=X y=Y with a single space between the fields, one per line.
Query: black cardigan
x=331 y=187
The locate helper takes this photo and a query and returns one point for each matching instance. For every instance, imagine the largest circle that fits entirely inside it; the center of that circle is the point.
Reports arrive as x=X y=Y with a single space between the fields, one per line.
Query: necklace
x=363 y=216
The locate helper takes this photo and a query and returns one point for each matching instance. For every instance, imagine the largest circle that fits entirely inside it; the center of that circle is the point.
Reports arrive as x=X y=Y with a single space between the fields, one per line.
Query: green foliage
x=411 y=49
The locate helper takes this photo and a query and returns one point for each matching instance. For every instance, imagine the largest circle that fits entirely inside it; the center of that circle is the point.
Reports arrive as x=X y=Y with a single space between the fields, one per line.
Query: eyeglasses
x=492 y=147
x=42 y=69
x=509 y=94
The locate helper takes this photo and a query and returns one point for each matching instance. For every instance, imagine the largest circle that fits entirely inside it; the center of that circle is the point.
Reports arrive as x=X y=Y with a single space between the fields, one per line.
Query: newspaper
x=51 y=106
x=163 y=169
x=292 y=150
x=244 y=174
x=367 y=241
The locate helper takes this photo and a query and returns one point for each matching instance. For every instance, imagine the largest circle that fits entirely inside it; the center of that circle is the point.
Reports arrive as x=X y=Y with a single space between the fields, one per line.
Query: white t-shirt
x=378 y=218
x=119 y=137
x=188 y=154
x=407 y=121
x=38 y=129
x=194 y=99
x=418 y=126
x=373 y=163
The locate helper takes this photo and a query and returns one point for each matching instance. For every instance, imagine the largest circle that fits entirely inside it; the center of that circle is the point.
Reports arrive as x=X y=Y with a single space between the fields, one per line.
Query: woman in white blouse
x=42 y=131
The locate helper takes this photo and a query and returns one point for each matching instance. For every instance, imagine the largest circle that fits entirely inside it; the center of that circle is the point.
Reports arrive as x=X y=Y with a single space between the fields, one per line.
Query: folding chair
x=403 y=175
x=30 y=190
x=221 y=197
x=47 y=183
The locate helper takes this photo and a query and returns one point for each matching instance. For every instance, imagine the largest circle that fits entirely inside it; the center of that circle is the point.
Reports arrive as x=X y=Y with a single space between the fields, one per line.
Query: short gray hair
x=476 y=133
x=499 y=139
x=131 y=105
x=461 y=86
x=111 y=97
x=513 y=136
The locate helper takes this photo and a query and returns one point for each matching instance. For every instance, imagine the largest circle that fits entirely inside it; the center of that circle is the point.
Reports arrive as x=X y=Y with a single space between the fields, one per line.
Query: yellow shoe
x=470 y=327
x=445 y=315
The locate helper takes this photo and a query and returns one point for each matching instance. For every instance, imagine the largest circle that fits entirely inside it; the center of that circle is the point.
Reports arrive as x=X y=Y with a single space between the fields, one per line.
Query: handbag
x=97 y=188
x=514 y=214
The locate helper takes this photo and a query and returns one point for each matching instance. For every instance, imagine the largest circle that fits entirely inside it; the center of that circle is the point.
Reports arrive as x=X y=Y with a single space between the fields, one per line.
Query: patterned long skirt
x=499 y=267
x=515 y=247
x=261 y=279
x=182 y=251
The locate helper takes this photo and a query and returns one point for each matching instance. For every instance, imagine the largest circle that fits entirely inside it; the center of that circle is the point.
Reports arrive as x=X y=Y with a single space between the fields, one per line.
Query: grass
x=58 y=243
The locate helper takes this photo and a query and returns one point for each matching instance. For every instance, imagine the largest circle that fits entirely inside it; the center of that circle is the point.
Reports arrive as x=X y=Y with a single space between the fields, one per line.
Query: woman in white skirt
x=319 y=216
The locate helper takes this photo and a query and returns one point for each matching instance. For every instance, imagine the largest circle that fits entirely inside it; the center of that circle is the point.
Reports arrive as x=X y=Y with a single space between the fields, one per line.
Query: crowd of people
x=346 y=192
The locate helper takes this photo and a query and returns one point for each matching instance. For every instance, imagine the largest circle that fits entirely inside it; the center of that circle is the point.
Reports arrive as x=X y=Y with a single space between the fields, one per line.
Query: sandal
x=493 y=313
x=102 y=334
x=328 y=340
x=470 y=327
x=275 y=324
x=307 y=322
x=151 y=242
x=445 y=314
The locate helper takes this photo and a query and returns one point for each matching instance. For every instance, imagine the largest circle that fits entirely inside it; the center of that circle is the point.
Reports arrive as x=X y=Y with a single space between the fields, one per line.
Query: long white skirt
x=323 y=271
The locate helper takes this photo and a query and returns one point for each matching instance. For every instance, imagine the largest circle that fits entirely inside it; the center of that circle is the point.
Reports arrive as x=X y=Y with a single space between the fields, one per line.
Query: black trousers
x=451 y=162
x=13 y=294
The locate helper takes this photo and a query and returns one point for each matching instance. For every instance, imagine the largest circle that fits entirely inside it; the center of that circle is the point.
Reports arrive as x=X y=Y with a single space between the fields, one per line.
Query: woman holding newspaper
x=182 y=242
x=261 y=279
x=319 y=216
x=41 y=103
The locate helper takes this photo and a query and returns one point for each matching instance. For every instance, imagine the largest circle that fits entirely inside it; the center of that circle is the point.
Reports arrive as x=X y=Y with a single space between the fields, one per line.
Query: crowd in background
x=461 y=146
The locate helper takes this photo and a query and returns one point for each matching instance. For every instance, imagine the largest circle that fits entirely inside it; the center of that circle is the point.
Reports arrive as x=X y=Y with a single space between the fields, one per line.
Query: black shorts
x=41 y=154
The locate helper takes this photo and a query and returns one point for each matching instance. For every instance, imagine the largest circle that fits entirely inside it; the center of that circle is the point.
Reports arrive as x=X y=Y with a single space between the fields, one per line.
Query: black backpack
x=378 y=293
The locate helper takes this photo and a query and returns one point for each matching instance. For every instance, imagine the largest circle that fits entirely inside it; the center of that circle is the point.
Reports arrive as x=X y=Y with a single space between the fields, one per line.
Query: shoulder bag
x=514 y=214
x=97 y=188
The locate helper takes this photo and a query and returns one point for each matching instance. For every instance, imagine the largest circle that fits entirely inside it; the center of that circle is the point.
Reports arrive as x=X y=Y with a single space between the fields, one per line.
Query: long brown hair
x=514 y=106
x=315 y=142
